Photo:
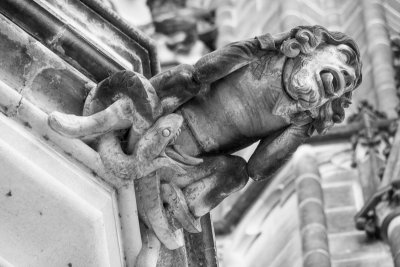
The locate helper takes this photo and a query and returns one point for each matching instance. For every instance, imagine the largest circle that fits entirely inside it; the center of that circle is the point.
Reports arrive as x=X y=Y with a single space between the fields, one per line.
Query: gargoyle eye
x=347 y=53
x=166 y=132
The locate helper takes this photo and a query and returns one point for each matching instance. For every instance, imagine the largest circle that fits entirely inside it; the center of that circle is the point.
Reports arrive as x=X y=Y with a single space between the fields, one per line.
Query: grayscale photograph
x=199 y=133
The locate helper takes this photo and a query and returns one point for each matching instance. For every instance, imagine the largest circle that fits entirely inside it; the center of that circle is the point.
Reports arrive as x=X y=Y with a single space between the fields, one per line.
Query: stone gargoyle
x=174 y=133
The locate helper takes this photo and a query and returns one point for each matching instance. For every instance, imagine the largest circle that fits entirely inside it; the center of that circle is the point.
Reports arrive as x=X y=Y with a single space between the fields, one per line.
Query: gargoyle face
x=324 y=75
x=166 y=129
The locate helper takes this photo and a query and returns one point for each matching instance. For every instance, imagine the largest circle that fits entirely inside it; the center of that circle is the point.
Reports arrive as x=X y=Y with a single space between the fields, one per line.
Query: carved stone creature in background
x=277 y=89
x=192 y=24
x=184 y=30
x=395 y=43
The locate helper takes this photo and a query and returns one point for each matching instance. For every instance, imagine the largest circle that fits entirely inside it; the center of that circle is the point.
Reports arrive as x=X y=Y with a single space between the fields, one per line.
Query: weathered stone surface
x=107 y=37
x=38 y=74
x=53 y=213
x=37 y=79
x=85 y=27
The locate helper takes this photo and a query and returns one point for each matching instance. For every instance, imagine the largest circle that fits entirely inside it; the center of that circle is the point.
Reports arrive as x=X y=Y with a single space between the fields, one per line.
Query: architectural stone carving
x=182 y=124
x=379 y=171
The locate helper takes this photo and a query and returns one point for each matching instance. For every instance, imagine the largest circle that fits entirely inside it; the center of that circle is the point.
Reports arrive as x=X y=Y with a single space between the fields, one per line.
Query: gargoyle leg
x=229 y=175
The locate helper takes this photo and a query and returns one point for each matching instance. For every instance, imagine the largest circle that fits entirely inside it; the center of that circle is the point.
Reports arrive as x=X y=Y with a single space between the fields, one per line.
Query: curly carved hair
x=305 y=39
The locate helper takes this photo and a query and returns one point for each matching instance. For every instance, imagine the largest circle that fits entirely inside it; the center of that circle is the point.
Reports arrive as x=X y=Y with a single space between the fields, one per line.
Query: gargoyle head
x=321 y=71
x=163 y=132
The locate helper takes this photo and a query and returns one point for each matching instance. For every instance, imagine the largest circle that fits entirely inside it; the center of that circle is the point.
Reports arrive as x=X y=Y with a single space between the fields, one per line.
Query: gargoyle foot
x=228 y=175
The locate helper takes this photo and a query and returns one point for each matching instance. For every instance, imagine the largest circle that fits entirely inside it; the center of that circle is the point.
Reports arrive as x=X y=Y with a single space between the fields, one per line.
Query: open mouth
x=331 y=82
x=177 y=154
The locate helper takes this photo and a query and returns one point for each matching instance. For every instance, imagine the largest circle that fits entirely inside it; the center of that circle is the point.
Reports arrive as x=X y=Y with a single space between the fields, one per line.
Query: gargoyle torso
x=237 y=109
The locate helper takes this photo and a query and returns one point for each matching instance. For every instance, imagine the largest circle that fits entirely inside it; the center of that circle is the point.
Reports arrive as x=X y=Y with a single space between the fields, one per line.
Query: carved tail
x=116 y=117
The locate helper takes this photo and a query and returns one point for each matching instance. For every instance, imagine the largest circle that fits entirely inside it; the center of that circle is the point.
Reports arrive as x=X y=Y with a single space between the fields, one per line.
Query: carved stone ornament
x=173 y=134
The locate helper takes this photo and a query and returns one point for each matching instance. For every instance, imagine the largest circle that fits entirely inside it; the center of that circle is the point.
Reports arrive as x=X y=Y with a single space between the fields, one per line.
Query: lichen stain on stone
x=133 y=59
x=60 y=50
x=27 y=66
x=28 y=125
x=58 y=89
x=9 y=194
x=21 y=56
x=14 y=59
x=101 y=33
x=42 y=60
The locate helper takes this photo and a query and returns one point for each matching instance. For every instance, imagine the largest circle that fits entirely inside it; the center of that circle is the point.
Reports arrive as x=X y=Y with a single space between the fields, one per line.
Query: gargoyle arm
x=275 y=150
x=234 y=56
x=179 y=84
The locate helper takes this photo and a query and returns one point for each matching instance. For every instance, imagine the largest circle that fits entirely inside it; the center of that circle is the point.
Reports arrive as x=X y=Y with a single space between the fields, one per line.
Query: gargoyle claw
x=175 y=199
